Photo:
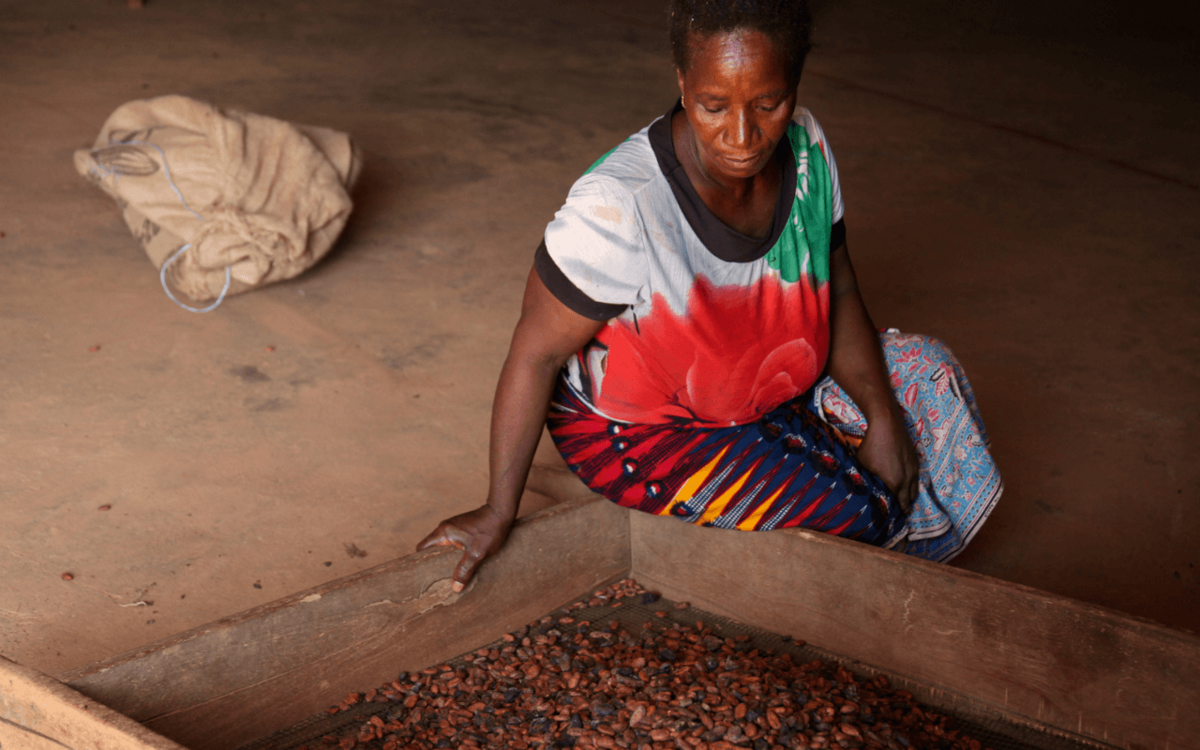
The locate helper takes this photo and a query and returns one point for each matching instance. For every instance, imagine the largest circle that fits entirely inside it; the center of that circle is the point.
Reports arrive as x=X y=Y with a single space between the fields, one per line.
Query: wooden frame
x=40 y=713
x=955 y=637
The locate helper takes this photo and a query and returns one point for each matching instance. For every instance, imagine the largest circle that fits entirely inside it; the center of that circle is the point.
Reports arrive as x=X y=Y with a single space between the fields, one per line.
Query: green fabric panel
x=803 y=248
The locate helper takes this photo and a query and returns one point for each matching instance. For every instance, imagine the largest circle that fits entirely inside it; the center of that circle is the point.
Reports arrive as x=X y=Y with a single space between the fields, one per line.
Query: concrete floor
x=1022 y=180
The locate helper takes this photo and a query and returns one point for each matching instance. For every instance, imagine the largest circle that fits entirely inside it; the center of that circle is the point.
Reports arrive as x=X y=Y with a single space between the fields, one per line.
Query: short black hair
x=785 y=22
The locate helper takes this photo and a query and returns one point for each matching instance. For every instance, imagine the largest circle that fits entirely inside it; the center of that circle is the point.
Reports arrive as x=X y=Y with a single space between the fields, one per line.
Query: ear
x=682 y=92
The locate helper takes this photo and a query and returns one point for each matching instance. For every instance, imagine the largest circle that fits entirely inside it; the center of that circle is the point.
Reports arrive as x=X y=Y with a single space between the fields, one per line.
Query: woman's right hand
x=888 y=452
x=479 y=533
x=546 y=335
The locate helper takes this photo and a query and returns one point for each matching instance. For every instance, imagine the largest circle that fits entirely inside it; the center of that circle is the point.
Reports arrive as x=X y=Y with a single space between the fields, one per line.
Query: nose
x=742 y=134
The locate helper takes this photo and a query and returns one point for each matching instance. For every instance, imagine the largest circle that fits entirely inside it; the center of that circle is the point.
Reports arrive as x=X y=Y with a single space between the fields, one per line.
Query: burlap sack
x=260 y=197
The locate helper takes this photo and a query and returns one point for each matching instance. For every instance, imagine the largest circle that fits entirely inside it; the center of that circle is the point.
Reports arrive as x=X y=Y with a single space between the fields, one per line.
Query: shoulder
x=623 y=187
x=803 y=122
x=806 y=121
x=605 y=208
x=626 y=170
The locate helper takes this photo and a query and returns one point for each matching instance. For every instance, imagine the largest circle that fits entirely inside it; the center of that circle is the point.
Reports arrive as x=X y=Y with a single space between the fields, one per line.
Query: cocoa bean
x=560 y=682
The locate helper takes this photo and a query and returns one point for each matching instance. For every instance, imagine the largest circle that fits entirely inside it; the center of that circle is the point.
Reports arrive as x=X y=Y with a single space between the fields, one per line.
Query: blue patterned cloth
x=960 y=484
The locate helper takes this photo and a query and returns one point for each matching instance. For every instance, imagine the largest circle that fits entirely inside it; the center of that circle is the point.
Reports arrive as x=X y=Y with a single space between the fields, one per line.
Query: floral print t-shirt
x=706 y=326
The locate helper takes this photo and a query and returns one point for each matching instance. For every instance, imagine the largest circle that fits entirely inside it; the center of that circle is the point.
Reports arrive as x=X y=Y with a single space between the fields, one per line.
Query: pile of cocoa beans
x=562 y=682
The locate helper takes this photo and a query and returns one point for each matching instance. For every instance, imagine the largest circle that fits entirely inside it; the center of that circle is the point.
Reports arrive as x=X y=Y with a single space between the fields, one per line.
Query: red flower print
x=738 y=353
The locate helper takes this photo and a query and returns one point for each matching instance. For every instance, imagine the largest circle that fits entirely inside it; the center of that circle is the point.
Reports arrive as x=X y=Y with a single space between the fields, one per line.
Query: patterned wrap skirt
x=796 y=466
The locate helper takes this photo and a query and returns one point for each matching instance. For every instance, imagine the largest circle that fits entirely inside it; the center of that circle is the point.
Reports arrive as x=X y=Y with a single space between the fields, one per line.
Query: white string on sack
x=162 y=273
x=162 y=277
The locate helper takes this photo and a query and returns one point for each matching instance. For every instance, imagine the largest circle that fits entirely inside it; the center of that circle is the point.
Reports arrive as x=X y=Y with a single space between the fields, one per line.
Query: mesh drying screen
x=984 y=724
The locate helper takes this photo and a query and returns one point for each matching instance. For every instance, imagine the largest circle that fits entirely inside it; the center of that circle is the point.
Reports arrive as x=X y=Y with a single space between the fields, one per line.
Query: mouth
x=742 y=161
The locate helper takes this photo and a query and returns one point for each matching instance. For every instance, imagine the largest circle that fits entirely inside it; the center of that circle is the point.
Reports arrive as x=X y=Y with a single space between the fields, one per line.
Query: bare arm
x=856 y=363
x=547 y=334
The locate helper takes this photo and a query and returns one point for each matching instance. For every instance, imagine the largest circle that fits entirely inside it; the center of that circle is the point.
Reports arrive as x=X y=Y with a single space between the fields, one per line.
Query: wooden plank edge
x=551 y=558
x=909 y=605
x=37 y=711
x=308 y=595
x=958 y=704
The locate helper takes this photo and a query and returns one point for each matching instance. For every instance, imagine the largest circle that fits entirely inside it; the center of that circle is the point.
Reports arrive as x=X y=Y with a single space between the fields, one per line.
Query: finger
x=898 y=491
x=909 y=494
x=466 y=567
x=445 y=535
x=437 y=537
x=904 y=497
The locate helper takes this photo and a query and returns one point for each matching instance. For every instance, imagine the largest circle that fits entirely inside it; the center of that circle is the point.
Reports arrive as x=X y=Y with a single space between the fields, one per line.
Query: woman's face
x=738 y=99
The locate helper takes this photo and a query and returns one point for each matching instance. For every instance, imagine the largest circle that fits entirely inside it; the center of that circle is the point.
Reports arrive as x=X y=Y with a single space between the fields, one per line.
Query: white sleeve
x=597 y=240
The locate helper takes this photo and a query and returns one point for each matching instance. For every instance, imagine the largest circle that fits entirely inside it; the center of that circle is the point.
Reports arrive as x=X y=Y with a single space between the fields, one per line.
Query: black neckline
x=719 y=238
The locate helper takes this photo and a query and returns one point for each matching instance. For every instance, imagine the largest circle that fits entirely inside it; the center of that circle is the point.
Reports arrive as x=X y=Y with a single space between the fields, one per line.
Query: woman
x=693 y=329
